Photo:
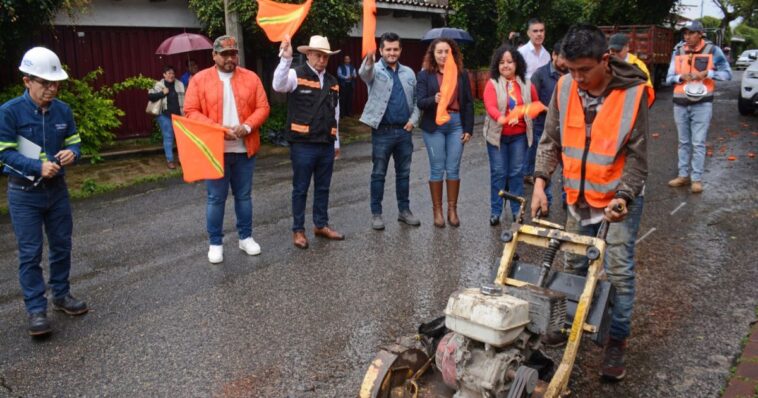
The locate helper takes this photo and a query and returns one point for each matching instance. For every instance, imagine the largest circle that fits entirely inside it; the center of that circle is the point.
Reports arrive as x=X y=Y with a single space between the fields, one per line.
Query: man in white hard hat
x=311 y=130
x=38 y=139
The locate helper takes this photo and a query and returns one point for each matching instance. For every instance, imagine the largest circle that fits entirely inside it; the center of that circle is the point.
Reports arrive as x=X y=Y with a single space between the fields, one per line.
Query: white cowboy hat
x=317 y=43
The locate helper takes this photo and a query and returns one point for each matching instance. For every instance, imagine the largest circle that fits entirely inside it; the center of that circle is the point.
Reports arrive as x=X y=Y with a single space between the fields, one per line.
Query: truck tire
x=745 y=107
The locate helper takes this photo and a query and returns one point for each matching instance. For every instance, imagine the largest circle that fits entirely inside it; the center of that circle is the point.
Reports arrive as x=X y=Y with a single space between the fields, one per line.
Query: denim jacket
x=379 y=84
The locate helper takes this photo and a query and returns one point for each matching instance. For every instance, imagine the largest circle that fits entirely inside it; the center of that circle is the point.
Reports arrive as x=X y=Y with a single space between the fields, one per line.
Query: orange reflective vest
x=594 y=156
x=697 y=61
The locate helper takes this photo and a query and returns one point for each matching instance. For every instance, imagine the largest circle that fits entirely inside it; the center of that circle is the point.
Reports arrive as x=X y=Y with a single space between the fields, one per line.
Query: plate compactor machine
x=490 y=342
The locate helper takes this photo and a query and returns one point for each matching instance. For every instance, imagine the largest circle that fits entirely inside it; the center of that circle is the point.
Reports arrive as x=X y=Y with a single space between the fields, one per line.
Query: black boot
x=70 y=305
x=39 y=325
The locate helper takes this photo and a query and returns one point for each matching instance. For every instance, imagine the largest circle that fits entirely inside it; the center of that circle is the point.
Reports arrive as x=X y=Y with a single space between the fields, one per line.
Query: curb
x=744 y=382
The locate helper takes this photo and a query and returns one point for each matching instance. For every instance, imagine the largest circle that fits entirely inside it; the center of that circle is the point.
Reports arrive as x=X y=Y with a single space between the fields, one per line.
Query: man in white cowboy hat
x=311 y=130
x=38 y=140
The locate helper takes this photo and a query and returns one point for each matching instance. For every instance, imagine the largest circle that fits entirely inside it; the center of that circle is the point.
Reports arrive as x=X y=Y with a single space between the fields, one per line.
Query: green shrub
x=95 y=114
x=276 y=121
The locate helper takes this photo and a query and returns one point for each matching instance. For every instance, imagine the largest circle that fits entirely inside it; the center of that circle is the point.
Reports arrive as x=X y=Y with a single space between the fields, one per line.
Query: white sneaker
x=216 y=254
x=250 y=246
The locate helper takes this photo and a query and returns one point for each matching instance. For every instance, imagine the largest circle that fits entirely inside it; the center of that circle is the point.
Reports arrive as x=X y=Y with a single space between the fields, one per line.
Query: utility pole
x=233 y=28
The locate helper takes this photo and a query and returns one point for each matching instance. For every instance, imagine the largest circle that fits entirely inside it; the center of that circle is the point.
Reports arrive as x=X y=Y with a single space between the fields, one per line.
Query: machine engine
x=496 y=333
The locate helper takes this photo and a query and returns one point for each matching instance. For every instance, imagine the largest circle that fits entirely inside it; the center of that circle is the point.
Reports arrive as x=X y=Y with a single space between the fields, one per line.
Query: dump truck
x=651 y=43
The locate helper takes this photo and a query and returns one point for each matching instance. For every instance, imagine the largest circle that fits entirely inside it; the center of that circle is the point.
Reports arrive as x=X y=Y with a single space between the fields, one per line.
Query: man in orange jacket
x=597 y=126
x=233 y=97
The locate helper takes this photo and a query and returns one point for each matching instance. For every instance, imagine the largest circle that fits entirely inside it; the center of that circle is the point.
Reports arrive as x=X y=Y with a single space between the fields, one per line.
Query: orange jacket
x=205 y=96
x=593 y=161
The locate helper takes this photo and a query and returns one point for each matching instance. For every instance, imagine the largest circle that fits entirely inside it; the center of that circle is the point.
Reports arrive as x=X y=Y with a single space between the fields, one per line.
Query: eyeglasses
x=44 y=83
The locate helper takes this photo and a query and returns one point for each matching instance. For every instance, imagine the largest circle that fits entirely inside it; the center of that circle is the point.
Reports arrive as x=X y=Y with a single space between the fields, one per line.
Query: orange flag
x=447 y=89
x=532 y=110
x=278 y=19
x=201 y=148
x=369 y=28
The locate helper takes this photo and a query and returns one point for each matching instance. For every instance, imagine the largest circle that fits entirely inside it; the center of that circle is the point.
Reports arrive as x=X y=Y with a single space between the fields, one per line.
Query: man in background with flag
x=231 y=96
x=311 y=130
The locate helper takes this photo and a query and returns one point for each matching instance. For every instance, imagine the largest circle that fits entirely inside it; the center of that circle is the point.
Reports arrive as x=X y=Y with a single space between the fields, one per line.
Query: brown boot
x=453 y=186
x=435 y=187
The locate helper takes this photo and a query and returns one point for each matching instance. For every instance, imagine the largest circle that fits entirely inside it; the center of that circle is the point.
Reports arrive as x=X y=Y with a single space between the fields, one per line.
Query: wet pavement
x=293 y=323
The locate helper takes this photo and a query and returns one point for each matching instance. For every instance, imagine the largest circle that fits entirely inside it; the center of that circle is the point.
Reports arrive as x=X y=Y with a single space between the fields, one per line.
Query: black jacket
x=427 y=87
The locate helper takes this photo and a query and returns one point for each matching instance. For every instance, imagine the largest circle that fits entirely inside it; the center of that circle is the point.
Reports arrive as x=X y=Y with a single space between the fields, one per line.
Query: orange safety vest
x=697 y=61
x=593 y=158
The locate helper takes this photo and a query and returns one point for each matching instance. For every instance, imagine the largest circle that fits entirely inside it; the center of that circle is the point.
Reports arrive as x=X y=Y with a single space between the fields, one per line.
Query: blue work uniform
x=46 y=204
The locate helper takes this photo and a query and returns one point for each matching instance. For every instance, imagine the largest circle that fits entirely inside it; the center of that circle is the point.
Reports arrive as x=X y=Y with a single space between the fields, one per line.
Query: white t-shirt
x=231 y=118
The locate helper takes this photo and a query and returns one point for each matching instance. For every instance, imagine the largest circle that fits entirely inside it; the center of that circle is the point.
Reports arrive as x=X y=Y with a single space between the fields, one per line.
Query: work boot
x=407 y=217
x=453 y=186
x=696 y=187
x=435 y=188
x=679 y=182
x=377 y=223
x=39 y=325
x=613 y=360
x=171 y=165
x=70 y=305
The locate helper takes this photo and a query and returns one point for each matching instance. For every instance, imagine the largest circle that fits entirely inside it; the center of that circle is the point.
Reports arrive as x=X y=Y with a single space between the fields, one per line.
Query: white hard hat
x=43 y=63
x=695 y=90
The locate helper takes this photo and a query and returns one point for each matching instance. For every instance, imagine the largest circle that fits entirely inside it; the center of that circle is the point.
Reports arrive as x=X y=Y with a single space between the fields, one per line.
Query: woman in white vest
x=507 y=137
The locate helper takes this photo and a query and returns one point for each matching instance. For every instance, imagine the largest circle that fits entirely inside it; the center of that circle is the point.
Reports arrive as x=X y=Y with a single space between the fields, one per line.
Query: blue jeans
x=397 y=143
x=167 y=130
x=238 y=172
x=46 y=205
x=506 y=164
x=531 y=154
x=692 y=123
x=445 y=148
x=619 y=263
x=311 y=161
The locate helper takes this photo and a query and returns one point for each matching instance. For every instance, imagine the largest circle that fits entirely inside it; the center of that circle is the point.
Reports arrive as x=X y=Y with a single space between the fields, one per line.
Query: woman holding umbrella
x=170 y=92
x=444 y=143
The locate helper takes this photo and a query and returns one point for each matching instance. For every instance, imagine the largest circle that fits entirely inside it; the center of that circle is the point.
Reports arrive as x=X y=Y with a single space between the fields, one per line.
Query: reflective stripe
x=308 y=83
x=573 y=183
x=627 y=119
x=563 y=100
x=43 y=156
x=576 y=153
x=74 y=139
x=300 y=128
x=336 y=87
x=6 y=145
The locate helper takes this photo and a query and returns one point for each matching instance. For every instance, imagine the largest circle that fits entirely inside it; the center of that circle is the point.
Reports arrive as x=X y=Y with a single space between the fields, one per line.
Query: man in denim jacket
x=391 y=113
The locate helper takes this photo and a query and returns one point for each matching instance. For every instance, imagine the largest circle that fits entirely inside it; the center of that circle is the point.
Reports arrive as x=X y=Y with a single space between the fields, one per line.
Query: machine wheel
x=390 y=369
x=745 y=107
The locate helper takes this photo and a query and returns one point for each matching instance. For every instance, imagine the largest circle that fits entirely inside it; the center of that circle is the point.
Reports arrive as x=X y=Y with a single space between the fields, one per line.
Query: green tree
x=733 y=9
x=20 y=17
x=477 y=18
x=330 y=18
x=749 y=33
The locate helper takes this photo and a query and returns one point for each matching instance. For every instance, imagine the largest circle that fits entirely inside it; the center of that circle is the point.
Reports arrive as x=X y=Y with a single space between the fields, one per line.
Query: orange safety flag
x=532 y=110
x=447 y=89
x=201 y=148
x=279 y=20
x=369 y=28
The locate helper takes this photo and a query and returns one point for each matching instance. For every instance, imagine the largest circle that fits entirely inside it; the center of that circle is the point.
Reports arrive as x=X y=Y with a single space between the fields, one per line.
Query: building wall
x=134 y=13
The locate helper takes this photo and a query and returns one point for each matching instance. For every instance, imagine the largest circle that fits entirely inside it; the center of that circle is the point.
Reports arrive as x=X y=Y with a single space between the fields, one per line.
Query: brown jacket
x=635 y=168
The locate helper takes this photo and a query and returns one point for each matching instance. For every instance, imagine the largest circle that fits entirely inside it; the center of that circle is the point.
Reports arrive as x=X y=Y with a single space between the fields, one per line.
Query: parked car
x=748 y=101
x=746 y=58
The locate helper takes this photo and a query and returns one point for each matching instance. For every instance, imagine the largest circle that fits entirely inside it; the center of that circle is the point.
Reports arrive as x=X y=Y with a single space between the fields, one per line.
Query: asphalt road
x=292 y=323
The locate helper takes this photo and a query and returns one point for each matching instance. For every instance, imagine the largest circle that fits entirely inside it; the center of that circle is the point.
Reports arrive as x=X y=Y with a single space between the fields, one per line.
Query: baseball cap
x=693 y=26
x=618 y=41
x=225 y=43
